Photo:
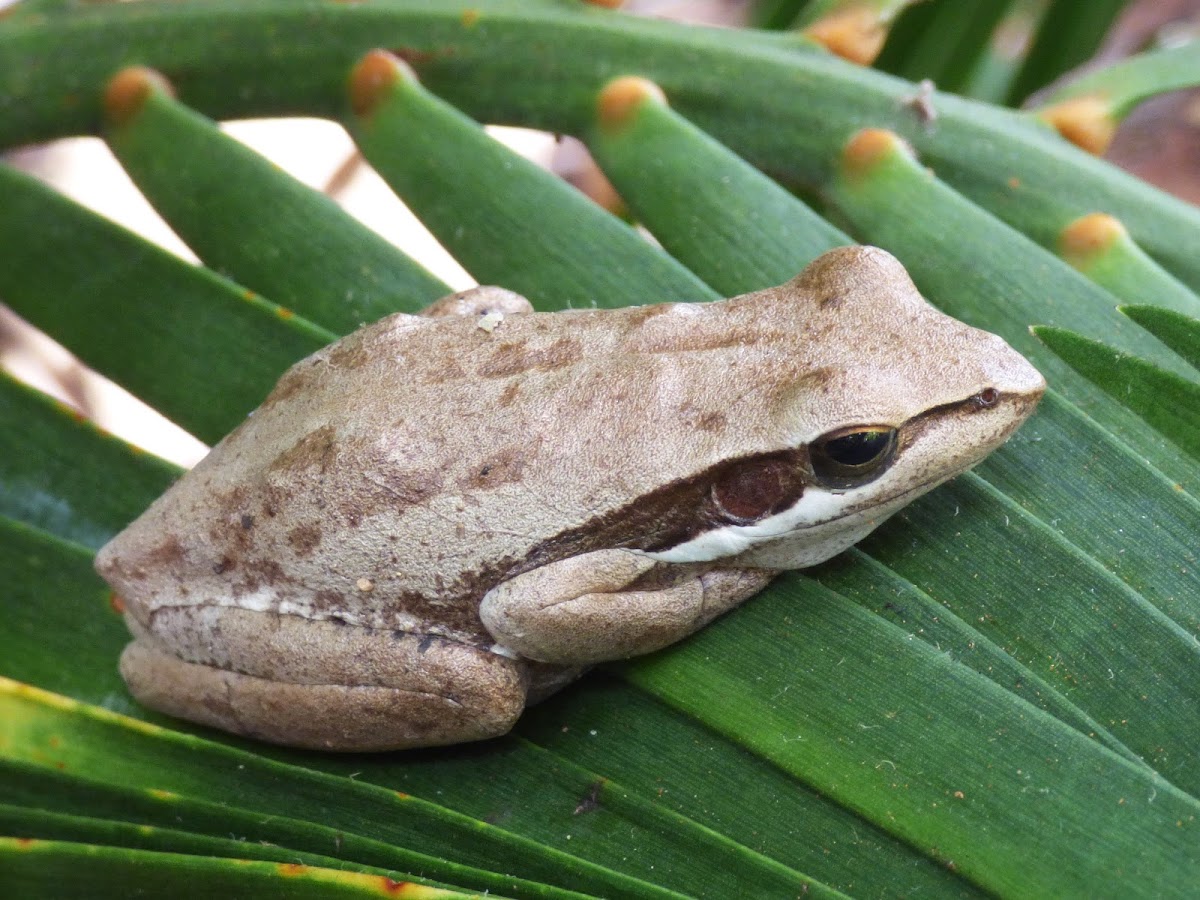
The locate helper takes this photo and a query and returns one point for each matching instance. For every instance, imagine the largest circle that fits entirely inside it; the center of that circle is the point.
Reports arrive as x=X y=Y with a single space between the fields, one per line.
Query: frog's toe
x=369 y=691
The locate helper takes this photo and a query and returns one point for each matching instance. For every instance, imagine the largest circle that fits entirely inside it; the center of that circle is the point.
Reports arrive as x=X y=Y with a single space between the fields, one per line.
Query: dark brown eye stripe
x=735 y=492
x=985 y=399
x=749 y=488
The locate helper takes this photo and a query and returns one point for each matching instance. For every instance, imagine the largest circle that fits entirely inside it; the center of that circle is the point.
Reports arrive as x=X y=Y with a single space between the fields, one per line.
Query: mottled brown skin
x=317 y=579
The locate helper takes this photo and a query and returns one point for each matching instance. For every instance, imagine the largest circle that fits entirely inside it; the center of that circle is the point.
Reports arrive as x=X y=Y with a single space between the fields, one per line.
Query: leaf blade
x=1179 y=332
x=245 y=217
x=127 y=284
x=848 y=758
x=528 y=231
x=1167 y=401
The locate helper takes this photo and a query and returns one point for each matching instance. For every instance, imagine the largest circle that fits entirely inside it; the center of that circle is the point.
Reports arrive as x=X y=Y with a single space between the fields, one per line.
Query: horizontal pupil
x=858 y=448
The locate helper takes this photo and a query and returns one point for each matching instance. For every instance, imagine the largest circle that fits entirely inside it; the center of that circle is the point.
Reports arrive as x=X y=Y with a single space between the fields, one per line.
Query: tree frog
x=444 y=517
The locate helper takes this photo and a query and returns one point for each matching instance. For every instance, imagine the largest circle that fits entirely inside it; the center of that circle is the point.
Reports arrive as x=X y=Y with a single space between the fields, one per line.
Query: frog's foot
x=610 y=604
x=321 y=685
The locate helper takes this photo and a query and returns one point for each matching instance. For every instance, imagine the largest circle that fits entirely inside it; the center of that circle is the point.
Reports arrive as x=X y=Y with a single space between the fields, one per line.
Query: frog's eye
x=756 y=488
x=850 y=457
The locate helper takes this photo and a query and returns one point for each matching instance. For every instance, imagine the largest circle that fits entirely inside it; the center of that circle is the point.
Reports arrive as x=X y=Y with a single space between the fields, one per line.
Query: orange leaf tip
x=621 y=98
x=128 y=91
x=1087 y=122
x=373 y=79
x=870 y=147
x=1090 y=236
x=855 y=34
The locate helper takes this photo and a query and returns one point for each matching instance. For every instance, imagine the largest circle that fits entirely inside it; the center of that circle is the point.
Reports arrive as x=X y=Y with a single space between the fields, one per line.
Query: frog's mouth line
x=732 y=541
x=900 y=496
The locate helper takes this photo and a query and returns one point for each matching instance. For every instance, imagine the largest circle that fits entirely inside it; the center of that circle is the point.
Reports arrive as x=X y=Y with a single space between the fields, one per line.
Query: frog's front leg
x=610 y=604
x=320 y=684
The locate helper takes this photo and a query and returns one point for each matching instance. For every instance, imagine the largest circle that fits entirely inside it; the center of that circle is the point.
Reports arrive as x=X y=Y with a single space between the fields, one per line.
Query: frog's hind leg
x=610 y=604
x=320 y=684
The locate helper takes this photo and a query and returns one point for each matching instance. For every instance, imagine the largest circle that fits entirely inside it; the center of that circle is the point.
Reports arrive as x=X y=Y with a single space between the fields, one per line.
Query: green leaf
x=52 y=597
x=52 y=730
x=529 y=230
x=1104 y=500
x=1099 y=246
x=51 y=461
x=1124 y=84
x=956 y=251
x=539 y=63
x=91 y=284
x=897 y=745
x=613 y=727
x=884 y=10
x=94 y=812
x=1095 y=627
x=1179 y=332
x=1168 y=402
x=37 y=868
x=246 y=218
x=859 y=577
x=1067 y=35
x=725 y=220
x=941 y=40
x=775 y=14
